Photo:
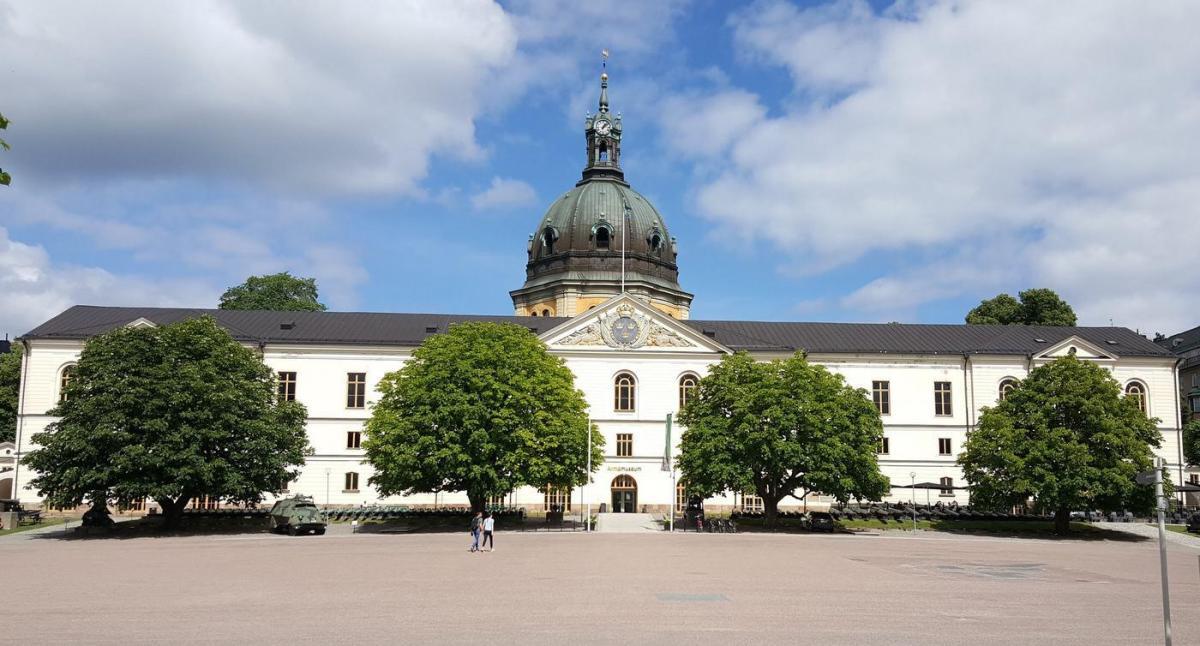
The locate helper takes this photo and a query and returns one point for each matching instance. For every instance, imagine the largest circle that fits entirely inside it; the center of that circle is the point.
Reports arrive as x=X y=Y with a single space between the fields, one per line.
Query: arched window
x=549 y=237
x=545 y=312
x=1137 y=390
x=687 y=389
x=64 y=378
x=603 y=237
x=533 y=313
x=1006 y=387
x=624 y=393
x=655 y=240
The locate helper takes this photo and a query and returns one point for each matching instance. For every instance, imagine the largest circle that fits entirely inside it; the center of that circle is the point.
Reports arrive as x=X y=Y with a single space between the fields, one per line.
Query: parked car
x=820 y=521
x=1193 y=524
x=297 y=515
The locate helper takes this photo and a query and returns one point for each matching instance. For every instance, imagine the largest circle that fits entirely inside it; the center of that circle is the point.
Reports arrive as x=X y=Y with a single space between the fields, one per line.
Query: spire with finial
x=604 y=81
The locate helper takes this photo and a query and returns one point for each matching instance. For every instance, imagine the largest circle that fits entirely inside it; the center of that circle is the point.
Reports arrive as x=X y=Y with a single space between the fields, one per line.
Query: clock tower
x=601 y=238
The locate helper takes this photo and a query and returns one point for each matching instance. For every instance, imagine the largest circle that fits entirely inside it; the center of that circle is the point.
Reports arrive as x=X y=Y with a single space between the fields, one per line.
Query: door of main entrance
x=624 y=495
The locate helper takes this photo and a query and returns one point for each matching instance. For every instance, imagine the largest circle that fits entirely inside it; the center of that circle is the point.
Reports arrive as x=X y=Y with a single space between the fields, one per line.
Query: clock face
x=625 y=330
x=603 y=127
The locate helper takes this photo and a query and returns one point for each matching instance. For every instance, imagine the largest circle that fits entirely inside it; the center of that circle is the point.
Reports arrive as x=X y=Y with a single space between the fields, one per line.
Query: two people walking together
x=485 y=523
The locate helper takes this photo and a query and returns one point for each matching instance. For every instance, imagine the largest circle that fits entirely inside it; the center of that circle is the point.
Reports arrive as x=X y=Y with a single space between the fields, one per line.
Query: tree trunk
x=770 y=512
x=478 y=502
x=1062 y=521
x=172 y=510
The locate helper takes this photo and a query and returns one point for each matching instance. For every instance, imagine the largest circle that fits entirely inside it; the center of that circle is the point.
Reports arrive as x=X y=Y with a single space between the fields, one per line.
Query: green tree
x=1191 y=442
x=1035 y=307
x=10 y=389
x=169 y=413
x=484 y=409
x=776 y=427
x=5 y=178
x=1065 y=438
x=281 y=292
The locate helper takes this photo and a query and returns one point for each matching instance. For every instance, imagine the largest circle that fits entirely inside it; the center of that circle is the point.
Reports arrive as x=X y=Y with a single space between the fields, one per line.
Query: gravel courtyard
x=592 y=589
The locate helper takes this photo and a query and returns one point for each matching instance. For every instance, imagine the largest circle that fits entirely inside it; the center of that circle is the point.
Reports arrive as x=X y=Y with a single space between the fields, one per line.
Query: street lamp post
x=588 y=522
x=327 y=472
x=913 y=475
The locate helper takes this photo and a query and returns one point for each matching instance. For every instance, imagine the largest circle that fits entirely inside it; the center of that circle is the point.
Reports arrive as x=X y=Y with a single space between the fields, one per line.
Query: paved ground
x=554 y=588
x=626 y=523
x=1151 y=531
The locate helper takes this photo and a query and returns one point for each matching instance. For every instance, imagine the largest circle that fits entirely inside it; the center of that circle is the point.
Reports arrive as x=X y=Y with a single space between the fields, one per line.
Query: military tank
x=297 y=515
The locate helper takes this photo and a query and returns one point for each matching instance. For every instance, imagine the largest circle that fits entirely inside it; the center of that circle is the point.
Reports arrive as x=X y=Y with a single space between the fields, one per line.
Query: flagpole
x=588 y=523
x=624 y=218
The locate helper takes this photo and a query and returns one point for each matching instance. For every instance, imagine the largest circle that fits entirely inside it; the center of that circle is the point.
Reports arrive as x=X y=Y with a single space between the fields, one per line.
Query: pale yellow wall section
x=570 y=305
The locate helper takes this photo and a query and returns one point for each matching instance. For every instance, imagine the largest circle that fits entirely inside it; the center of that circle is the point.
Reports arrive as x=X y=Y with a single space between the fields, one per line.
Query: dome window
x=602 y=234
x=655 y=240
x=549 y=237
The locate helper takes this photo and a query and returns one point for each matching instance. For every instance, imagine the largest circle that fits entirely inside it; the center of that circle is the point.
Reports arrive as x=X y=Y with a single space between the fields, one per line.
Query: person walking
x=489 y=526
x=476 y=527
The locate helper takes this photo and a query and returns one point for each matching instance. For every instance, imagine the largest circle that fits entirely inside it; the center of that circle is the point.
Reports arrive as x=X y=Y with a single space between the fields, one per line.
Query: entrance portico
x=624 y=495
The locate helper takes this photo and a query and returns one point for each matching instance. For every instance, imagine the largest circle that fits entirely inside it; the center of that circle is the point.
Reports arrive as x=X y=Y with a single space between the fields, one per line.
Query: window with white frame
x=354 y=439
x=752 y=503
x=885 y=445
x=687 y=389
x=351 y=482
x=947 y=487
x=556 y=498
x=624 y=393
x=1136 y=390
x=1006 y=387
x=64 y=380
x=944 y=447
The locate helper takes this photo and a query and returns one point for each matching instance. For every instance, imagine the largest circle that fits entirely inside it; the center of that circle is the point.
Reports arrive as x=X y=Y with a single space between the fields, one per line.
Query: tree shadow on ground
x=152 y=527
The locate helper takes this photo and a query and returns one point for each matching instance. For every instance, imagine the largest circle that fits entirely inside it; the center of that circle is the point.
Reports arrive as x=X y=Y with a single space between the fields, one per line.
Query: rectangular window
x=287 y=386
x=351 y=482
x=941 y=398
x=885 y=446
x=681 y=498
x=356 y=390
x=881 y=394
x=556 y=499
x=1194 y=479
x=752 y=503
x=949 y=484
x=354 y=439
x=496 y=502
x=943 y=446
x=206 y=502
x=624 y=445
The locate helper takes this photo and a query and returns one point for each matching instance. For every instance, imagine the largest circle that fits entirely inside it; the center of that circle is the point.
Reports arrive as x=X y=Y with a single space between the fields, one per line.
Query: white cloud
x=320 y=97
x=1051 y=139
x=34 y=288
x=504 y=194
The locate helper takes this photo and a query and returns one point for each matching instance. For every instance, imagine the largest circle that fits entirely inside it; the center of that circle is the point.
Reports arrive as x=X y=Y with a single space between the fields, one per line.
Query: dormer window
x=603 y=237
x=655 y=240
x=549 y=237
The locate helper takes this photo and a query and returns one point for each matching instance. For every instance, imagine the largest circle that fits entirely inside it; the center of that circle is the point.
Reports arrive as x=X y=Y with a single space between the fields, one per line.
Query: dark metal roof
x=363 y=328
x=1181 y=342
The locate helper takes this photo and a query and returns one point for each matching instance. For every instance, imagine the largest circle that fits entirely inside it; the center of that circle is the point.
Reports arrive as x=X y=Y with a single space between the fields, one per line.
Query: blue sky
x=835 y=160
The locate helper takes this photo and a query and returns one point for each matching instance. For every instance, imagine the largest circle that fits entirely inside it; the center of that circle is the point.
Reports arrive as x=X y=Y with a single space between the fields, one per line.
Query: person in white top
x=489 y=525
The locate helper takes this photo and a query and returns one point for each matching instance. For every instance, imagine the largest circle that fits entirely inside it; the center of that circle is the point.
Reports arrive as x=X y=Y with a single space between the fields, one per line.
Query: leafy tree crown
x=1066 y=438
x=1035 y=307
x=281 y=292
x=169 y=413
x=482 y=408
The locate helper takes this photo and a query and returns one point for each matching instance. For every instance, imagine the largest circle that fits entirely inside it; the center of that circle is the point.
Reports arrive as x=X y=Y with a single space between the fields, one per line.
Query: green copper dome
x=600 y=238
x=574 y=222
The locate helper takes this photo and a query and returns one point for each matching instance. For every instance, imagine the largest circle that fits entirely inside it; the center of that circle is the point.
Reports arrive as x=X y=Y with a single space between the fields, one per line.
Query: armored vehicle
x=297 y=515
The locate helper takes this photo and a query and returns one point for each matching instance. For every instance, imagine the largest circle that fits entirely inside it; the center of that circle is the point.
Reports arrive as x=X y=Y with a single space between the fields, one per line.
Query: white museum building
x=602 y=292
